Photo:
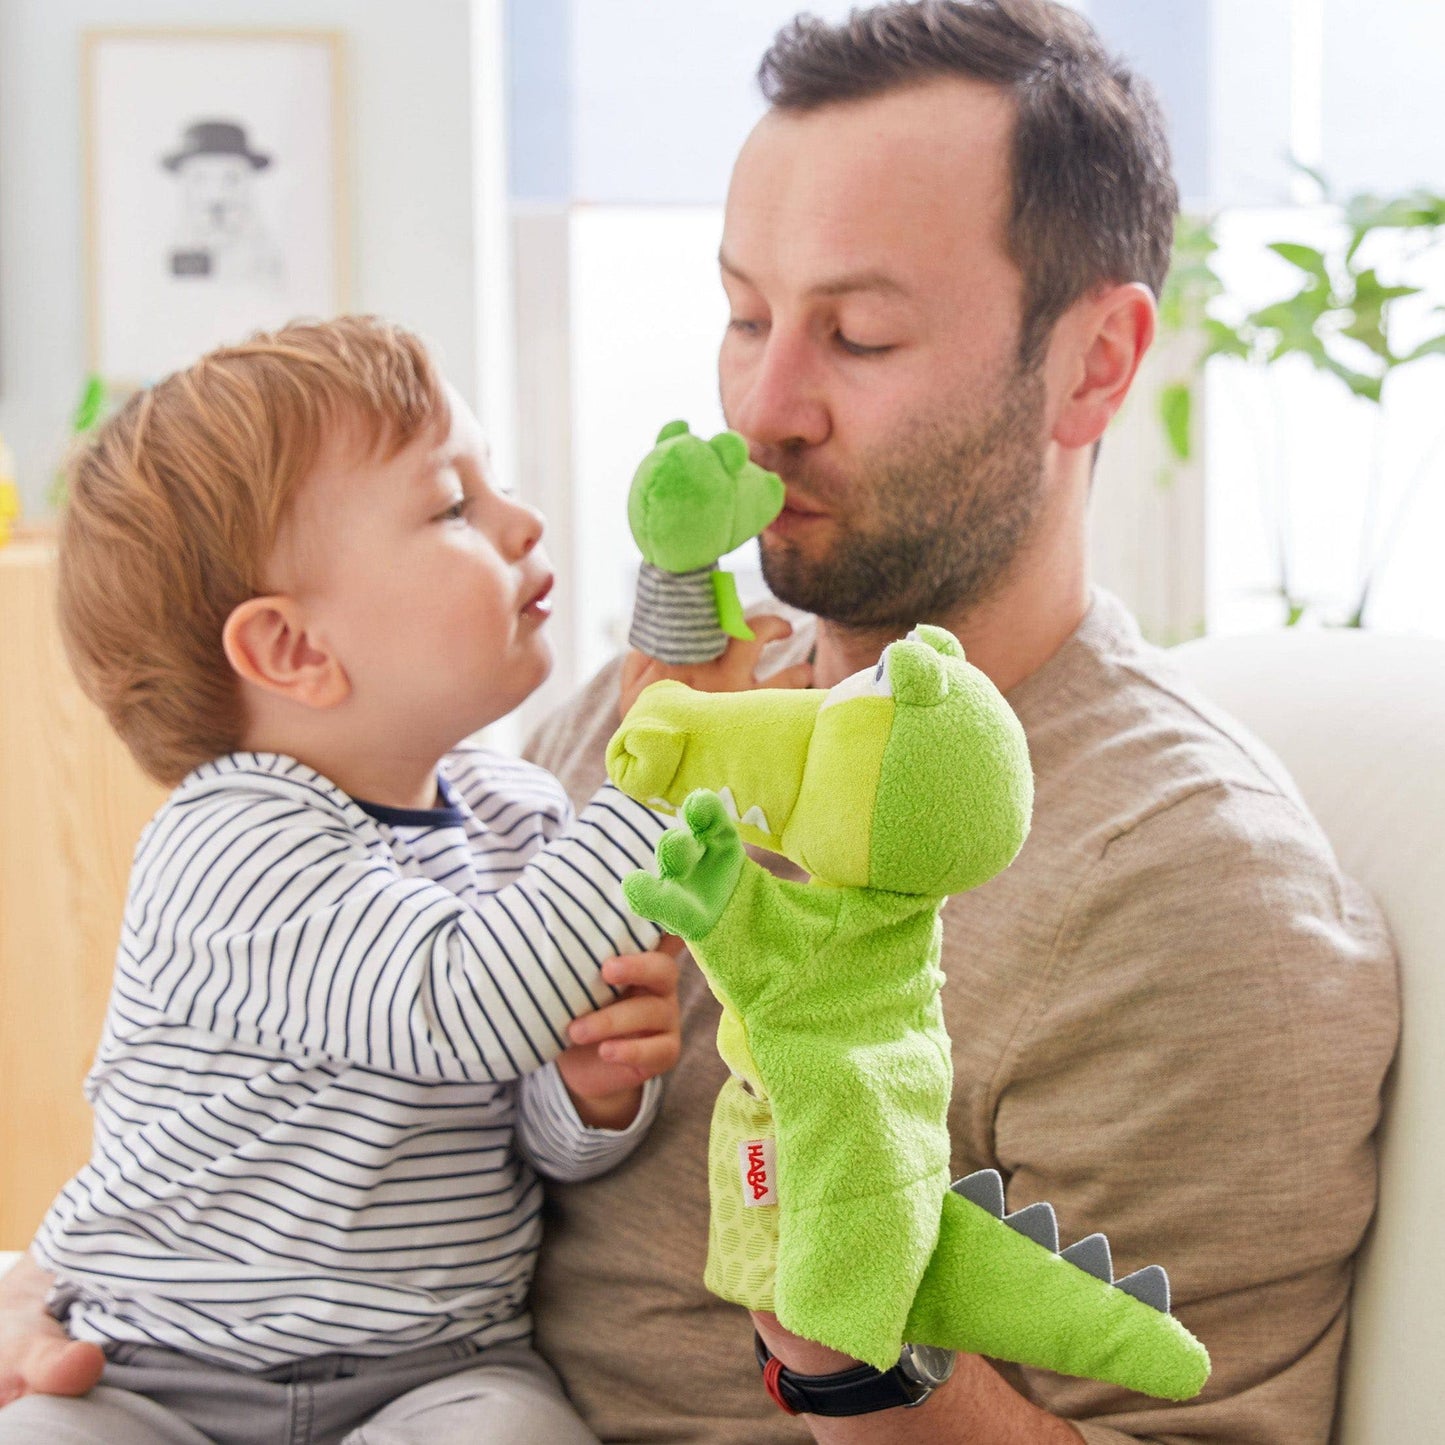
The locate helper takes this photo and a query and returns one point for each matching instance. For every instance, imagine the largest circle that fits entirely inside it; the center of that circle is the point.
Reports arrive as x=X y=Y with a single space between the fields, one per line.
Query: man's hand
x=974 y=1406
x=615 y=1050
x=37 y=1357
x=734 y=671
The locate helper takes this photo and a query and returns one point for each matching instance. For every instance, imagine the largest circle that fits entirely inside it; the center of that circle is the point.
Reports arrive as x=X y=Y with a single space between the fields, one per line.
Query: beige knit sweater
x=1171 y=1018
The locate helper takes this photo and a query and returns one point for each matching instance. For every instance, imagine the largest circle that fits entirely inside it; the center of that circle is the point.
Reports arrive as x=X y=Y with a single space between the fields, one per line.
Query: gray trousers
x=446 y=1395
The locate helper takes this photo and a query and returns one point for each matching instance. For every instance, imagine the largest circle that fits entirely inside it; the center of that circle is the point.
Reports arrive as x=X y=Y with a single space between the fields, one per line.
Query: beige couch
x=1359 y=720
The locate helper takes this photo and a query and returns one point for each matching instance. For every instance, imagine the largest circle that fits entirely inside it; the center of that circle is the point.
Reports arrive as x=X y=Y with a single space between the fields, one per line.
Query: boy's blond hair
x=174 y=506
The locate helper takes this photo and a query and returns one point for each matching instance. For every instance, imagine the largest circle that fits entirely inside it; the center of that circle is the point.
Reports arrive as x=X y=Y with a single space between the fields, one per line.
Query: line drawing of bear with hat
x=223 y=236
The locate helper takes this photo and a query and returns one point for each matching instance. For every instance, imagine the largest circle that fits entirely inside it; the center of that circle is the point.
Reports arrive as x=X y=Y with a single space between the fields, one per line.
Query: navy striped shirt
x=324 y=1085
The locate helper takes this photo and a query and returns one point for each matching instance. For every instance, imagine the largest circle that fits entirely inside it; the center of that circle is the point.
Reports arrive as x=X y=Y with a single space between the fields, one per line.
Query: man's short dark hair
x=1093 y=196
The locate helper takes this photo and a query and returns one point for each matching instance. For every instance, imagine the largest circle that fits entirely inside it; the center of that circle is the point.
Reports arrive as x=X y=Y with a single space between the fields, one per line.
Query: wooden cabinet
x=72 y=804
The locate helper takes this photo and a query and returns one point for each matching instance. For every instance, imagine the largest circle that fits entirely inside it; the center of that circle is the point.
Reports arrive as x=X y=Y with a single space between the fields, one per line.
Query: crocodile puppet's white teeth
x=754 y=817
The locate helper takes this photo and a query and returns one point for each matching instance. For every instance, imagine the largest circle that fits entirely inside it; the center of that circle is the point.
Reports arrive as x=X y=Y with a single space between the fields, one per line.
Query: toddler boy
x=367 y=980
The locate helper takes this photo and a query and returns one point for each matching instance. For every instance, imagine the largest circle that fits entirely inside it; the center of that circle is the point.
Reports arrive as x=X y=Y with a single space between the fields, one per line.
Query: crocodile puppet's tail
x=998 y=1286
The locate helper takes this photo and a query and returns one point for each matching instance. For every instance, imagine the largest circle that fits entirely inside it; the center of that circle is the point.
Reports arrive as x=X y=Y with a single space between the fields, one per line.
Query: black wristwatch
x=861 y=1390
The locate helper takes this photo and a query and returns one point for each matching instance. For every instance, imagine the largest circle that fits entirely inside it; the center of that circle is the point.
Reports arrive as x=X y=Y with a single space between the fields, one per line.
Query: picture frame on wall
x=215 y=190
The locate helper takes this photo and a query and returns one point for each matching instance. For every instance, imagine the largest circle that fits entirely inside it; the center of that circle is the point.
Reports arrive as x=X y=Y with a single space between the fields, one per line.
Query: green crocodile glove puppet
x=692 y=502
x=828 y=1160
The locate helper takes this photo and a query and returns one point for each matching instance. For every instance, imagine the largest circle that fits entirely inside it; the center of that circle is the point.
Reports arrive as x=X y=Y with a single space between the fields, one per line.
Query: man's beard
x=949 y=511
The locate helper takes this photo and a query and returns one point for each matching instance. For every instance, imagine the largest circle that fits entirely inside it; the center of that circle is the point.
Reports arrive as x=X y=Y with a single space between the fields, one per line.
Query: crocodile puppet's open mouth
x=752 y=817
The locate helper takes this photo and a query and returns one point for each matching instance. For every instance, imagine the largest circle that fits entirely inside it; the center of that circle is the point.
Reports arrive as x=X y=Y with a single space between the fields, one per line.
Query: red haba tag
x=758 y=1161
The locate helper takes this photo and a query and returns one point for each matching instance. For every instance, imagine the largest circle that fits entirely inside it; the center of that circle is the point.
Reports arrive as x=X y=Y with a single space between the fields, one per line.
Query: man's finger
x=799 y=675
x=769 y=628
x=637 y=672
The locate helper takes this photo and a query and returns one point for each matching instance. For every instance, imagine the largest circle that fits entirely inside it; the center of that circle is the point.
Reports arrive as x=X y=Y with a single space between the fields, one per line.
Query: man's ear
x=1105 y=337
x=268 y=646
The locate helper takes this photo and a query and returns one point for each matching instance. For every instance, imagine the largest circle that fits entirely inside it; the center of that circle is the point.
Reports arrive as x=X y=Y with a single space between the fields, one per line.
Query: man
x=1170 y=1016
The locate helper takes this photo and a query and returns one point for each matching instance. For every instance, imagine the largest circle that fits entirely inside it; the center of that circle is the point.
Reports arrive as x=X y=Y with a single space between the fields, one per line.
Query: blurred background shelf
x=73 y=805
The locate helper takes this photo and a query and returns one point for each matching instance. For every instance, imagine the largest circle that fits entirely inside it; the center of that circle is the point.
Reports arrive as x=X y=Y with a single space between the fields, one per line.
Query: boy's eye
x=456 y=512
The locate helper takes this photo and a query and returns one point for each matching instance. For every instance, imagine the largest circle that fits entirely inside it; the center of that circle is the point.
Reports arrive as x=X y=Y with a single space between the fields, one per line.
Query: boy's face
x=424 y=582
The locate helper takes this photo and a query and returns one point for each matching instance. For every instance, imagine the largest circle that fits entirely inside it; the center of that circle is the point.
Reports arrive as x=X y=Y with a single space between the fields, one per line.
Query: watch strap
x=859 y=1390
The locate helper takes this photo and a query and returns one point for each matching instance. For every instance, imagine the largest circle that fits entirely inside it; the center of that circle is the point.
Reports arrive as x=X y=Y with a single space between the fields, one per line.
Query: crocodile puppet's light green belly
x=742 y=1244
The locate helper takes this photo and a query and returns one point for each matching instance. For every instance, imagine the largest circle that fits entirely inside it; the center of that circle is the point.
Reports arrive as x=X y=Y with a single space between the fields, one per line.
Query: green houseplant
x=1341 y=318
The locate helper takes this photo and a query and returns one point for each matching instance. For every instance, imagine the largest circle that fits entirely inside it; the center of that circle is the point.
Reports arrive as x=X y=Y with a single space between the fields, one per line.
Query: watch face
x=927 y=1364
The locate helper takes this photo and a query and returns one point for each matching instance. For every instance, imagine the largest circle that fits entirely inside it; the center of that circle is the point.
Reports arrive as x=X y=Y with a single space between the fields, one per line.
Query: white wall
x=412 y=143
x=643 y=281
x=1382 y=101
x=665 y=94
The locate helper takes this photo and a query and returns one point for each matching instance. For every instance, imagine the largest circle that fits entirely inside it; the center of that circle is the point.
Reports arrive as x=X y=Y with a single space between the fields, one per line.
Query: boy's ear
x=268 y=646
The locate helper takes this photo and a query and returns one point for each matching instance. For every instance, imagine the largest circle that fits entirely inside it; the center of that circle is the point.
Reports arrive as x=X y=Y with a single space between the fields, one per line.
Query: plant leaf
x=1369 y=287
x=1357 y=235
x=91 y=406
x=1176 y=406
x=1293 y=323
x=1317 y=176
x=1191 y=283
x=1435 y=346
x=1369 y=314
x=1222 y=339
x=1307 y=258
x=1360 y=383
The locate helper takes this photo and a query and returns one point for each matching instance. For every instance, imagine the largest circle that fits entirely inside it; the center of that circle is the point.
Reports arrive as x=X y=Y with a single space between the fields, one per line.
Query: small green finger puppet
x=828 y=1161
x=692 y=502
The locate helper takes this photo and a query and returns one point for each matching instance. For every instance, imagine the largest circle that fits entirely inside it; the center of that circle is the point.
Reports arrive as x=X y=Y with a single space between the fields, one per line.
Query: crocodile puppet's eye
x=871 y=682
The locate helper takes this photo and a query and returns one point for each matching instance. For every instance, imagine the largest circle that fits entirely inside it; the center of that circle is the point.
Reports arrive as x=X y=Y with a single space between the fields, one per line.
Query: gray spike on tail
x=1091 y=1254
x=984 y=1188
x=1149 y=1285
x=1037 y=1223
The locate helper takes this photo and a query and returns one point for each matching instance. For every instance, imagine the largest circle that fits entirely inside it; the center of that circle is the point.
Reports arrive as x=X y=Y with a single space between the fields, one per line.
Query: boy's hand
x=732 y=672
x=37 y=1357
x=624 y=1043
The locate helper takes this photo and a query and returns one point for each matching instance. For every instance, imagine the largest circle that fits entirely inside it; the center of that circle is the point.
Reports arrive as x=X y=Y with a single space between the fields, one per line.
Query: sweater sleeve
x=271 y=922
x=1200 y=1079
